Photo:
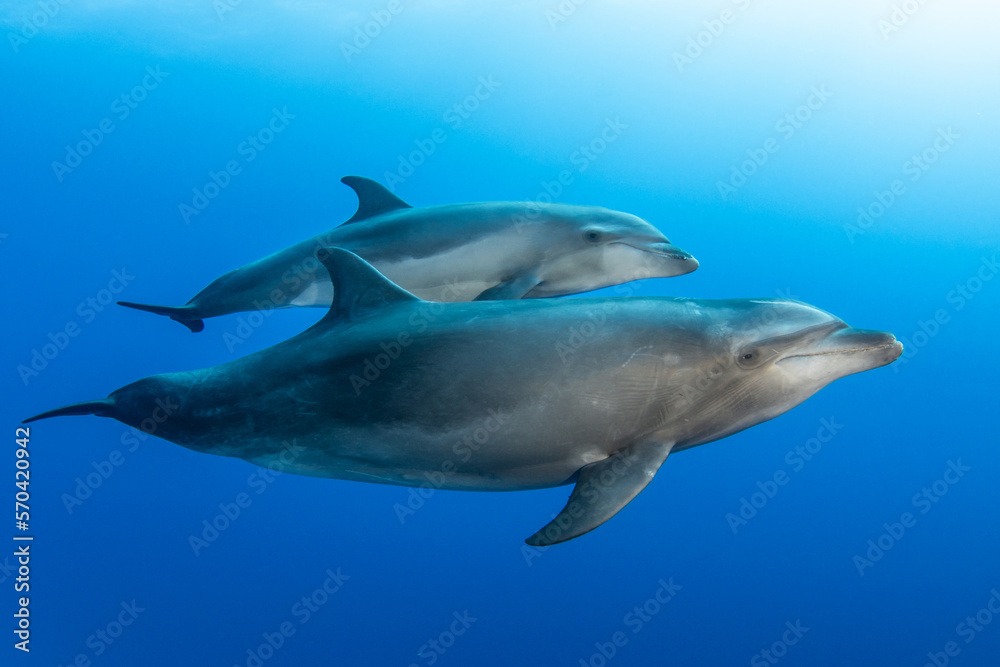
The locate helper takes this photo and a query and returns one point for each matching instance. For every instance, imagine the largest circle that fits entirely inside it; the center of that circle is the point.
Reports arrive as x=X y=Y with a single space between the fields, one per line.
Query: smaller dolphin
x=498 y=396
x=455 y=252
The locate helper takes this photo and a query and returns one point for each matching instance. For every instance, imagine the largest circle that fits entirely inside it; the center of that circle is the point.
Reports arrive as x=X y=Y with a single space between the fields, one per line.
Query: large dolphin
x=456 y=252
x=501 y=395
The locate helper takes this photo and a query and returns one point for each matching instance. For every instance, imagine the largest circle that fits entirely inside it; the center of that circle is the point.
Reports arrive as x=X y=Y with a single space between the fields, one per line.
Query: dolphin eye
x=592 y=236
x=749 y=358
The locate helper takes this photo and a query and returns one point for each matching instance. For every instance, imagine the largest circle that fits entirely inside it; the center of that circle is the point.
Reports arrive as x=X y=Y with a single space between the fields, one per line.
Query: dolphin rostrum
x=455 y=252
x=501 y=395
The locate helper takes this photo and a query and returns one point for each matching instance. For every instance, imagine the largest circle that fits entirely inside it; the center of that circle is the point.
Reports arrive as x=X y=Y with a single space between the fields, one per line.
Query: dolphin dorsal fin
x=373 y=198
x=358 y=288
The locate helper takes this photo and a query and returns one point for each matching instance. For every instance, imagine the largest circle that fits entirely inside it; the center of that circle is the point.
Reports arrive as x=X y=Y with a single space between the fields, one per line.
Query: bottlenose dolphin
x=501 y=395
x=456 y=252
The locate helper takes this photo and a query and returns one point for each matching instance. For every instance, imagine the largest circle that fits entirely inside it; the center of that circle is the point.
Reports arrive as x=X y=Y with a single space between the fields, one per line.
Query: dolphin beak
x=873 y=348
x=683 y=260
x=881 y=347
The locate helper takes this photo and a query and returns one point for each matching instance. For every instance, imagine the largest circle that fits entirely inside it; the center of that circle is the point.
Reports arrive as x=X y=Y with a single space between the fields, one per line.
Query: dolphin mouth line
x=677 y=254
x=873 y=348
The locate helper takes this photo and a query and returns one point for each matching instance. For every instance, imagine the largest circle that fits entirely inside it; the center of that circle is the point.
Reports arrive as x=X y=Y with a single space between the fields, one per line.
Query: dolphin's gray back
x=408 y=390
x=419 y=233
x=458 y=244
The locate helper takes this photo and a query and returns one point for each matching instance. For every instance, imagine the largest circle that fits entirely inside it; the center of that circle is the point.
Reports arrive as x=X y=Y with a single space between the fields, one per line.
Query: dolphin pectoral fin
x=373 y=198
x=602 y=489
x=180 y=314
x=514 y=288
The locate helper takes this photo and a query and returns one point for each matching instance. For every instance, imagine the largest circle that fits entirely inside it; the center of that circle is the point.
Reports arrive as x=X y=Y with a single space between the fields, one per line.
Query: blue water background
x=786 y=231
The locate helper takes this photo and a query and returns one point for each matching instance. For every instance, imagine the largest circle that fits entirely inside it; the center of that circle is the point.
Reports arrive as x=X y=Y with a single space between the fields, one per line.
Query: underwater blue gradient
x=563 y=70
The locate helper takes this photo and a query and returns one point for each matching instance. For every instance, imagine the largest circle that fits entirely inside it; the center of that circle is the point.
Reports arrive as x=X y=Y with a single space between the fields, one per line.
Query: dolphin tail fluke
x=182 y=314
x=102 y=407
